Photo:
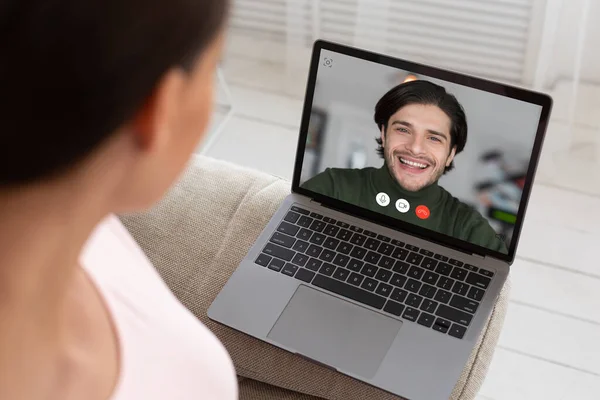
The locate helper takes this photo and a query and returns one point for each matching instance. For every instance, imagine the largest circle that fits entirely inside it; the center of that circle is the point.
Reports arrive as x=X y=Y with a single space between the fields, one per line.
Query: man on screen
x=422 y=129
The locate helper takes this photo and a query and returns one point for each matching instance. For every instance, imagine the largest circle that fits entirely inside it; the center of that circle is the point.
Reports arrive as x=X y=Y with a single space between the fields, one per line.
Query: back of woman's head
x=73 y=71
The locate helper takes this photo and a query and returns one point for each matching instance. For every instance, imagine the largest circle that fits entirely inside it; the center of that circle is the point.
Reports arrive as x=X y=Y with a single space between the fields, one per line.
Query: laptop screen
x=445 y=157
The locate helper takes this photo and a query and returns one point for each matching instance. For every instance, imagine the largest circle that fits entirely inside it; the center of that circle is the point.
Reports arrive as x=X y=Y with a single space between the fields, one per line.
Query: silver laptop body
x=415 y=345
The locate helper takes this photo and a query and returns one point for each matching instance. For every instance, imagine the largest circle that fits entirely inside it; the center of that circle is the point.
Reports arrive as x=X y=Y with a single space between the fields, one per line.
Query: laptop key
x=316 y=216
x=470 y=267
x=341 y=274
x=348 y=291
x=289 y=269
x=314 y=264
x=398 y=243
x=383 y=289
x=399 y=295
x=331 y=243
x=343 y=225
x=344 y=235
x=372 y=257
x=317 y=238
x=457 y=331
x=401 y=267
x=275 y=250
x=478 y=280
x=430 y=277
x=305 y=275
x=300 y=246
x=327 y=269
x=445 y=283
x=384 y=238
x=413 y=286
x=426 y=252
x=443 y=269
x=314 y=251
x=282 y=240
x=288 y=229
x=304 y=234
x=369 y=284
x=327 y=255
x=412 y=248
x=372 y=244
x=456 y=263
x=458 y=274
x=441 y=325
x=442 y=296
x=475 y=293
x=317 y=226
x=292 y=217
x=304 y=221
x=383 y=275
x=341 y=260
x=358 y=239
x=355 y=279
x=393 y=308
x=358 y=252
x=329 y=220
x=369 y=233
x=426 y=320
x=464 y=304
x=413 y=300
x=263 y=260
x=486 y=273
x=427 y=291
x=276 y=264
x=331 y=230
x=356 y=229
x=386 y=249
x=411 y=314
x=344 y=248
x=461 y=288
x=454 y=315
x=440 y=257
x=355 y=265
x=400 y=254
x=398 y=280
x=300 y=210
x=414 y=258
x=416 y=272
x=429 y=263
x=429 y=306
x=300 y=260
x=369 y=270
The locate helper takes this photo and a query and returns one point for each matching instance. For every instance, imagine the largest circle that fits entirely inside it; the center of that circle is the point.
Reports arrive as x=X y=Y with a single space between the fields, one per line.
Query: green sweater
x=448 y=215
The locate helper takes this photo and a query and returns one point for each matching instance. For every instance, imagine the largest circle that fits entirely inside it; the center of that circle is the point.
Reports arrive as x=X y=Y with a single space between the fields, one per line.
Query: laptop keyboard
x=400 y=279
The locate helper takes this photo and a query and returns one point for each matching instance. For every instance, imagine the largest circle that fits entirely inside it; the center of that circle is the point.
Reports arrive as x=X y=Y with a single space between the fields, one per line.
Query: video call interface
x=445 y=157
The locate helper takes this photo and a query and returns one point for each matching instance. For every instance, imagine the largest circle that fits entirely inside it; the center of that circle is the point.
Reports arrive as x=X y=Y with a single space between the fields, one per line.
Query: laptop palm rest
x=335 y=332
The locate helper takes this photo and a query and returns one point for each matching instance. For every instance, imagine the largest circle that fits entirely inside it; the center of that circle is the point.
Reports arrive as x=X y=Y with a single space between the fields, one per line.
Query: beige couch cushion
x=197 y=235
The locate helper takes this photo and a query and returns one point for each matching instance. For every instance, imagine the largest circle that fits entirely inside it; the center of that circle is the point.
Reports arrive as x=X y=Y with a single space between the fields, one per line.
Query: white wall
x=562 y=59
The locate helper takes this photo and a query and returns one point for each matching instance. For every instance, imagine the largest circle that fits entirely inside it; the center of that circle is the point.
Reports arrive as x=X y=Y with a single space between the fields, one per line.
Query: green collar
x=385 y=182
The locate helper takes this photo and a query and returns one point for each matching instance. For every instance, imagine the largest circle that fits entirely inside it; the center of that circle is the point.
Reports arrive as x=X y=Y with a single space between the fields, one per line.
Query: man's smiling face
x=417 y=145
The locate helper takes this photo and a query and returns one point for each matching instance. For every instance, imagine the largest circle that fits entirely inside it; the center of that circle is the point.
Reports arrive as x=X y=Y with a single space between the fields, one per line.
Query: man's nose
x=416 y=145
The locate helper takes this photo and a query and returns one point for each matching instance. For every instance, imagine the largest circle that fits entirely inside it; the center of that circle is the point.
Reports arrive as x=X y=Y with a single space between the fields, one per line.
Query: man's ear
x=451 y=156
x=382 y=135
x=152 y=124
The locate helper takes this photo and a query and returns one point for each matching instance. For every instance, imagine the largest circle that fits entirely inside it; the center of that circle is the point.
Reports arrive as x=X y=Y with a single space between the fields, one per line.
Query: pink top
x=165 y=351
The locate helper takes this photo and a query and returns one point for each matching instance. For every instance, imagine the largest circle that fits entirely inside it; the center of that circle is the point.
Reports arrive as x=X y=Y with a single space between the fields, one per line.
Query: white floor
x=550 y=346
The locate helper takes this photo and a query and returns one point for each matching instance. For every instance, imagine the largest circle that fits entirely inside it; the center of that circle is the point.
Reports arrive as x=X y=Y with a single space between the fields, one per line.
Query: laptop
x=409 y=194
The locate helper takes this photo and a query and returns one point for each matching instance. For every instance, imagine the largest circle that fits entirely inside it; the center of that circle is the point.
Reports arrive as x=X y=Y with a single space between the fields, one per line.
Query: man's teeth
x=413 y=164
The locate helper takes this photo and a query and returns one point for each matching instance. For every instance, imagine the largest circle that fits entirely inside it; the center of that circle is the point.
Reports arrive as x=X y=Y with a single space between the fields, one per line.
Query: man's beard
x=393 y=161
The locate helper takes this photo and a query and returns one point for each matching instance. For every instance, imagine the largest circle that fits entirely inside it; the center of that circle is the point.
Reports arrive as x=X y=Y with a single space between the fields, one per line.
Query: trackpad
x=335 y=332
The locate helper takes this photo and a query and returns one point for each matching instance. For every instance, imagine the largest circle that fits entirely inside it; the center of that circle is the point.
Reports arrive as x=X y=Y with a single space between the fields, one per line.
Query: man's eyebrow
x=409 y=125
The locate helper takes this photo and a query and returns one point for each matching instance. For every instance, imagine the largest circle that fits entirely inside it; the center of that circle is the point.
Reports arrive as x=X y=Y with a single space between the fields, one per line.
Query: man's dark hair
x=73 y=71
x=427 y=93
